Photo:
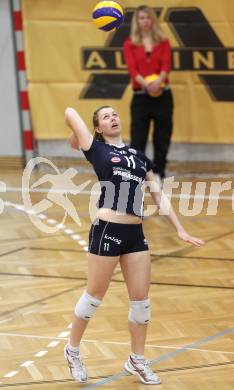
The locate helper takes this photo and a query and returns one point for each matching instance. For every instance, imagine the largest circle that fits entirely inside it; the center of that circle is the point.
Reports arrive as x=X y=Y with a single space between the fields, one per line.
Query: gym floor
x=191 y=336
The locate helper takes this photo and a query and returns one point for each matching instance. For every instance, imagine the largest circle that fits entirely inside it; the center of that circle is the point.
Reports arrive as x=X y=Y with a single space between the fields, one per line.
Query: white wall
x=10 y=134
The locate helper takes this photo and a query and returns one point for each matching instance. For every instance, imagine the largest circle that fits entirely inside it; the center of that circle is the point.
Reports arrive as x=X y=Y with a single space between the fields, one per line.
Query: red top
x=138 y=63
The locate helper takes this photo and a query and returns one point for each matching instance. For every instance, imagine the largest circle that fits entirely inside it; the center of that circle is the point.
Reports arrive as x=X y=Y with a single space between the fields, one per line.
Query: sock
x=138 y=357
x=73 y=349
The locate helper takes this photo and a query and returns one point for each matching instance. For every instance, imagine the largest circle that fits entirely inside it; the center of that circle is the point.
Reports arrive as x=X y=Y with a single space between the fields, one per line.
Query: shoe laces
x=146 y=368
x=76 y=361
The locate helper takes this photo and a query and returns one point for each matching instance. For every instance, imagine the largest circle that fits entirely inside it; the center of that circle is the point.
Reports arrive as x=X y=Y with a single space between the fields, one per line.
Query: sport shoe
x=141 y=368
x=76 y=366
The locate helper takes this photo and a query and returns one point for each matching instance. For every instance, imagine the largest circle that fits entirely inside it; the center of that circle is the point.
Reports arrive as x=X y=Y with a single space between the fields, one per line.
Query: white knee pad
x=86 y=306
x=140 y=312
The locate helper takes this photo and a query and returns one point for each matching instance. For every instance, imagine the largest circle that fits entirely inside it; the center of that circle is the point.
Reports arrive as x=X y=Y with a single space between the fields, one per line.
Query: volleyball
x=108 y=15
x=150 y=79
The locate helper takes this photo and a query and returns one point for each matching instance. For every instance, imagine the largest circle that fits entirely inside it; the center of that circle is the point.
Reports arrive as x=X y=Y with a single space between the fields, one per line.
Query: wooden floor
x=191 y=336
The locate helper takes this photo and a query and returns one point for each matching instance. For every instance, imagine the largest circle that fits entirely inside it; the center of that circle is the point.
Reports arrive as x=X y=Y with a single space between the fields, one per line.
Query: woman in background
x=147 y=52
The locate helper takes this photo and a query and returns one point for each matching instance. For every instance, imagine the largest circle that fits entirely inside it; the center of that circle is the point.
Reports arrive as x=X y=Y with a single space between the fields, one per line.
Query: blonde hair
x=157 y=33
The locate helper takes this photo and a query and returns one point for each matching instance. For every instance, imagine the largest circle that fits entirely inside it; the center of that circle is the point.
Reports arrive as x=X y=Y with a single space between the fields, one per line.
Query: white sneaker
x=76 y=366
x=141 y=368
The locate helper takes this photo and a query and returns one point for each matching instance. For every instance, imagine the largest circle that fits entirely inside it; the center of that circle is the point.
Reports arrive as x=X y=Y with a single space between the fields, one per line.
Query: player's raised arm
x=73 y=141
x=167 y=209
x=79 y=128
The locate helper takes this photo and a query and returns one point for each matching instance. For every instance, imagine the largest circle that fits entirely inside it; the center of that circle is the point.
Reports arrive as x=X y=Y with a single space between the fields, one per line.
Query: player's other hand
x=183 y=235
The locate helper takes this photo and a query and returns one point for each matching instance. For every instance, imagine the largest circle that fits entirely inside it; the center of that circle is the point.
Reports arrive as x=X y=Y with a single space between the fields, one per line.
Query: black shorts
x=115 y=239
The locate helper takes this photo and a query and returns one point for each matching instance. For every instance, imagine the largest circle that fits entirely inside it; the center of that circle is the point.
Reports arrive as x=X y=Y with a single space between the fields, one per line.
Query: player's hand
x=183 y=235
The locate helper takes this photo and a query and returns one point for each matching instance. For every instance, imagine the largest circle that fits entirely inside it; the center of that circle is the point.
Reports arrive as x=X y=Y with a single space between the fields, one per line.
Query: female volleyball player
x=117 y=235
x=147 y=52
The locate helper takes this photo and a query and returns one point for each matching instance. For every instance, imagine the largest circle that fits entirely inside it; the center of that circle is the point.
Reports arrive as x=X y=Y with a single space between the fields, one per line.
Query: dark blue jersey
x=121 y=172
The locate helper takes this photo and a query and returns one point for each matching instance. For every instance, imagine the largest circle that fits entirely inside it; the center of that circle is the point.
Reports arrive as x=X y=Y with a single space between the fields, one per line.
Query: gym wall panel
x=48 y=103
x=59 y=32
x=53 y=50
x=58 y=9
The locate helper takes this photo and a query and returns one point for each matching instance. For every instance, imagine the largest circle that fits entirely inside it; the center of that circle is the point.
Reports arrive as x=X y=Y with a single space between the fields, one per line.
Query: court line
x=181 y=284
x=27 y=363
x=97 y=377
x=42 y=276
x=41 y=353
x=12 y=251
x=192 y=285
x=151 y=253
x=11 y=374
x=209 y=219
x=192 y=258
x=55 y=249
x=6 y=320
x=190 y=248
x=85 y=192
x=13 y=240
x=30 y=336
x=114 y=280
x=53 y=344
x=196 y=367
x=163 y=357
x=17 y=384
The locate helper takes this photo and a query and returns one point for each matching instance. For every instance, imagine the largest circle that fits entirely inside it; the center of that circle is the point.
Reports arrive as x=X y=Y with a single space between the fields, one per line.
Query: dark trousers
x=145 y=108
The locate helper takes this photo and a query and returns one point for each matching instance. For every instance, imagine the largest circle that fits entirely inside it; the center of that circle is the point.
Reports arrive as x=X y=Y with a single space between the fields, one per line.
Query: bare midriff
x=117 y=217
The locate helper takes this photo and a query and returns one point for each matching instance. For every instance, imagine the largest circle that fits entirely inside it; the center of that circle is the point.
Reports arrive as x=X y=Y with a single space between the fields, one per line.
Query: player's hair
x=97 y=135
x=156 y=31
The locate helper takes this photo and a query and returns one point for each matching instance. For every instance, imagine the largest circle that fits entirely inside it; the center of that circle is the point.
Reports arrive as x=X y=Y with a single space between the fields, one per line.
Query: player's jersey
x=121 y=172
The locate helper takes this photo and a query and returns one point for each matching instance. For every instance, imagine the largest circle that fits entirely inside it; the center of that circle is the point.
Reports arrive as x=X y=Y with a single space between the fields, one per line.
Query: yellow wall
x=56 y=32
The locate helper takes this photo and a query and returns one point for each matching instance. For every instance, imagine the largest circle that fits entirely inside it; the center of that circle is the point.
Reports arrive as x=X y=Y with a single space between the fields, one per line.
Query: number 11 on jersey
x=106 y=246
x=130 y=161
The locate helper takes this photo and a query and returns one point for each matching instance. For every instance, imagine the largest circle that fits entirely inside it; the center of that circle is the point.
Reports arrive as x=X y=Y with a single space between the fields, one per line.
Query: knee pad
x=86 y=306
x=140 y=312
